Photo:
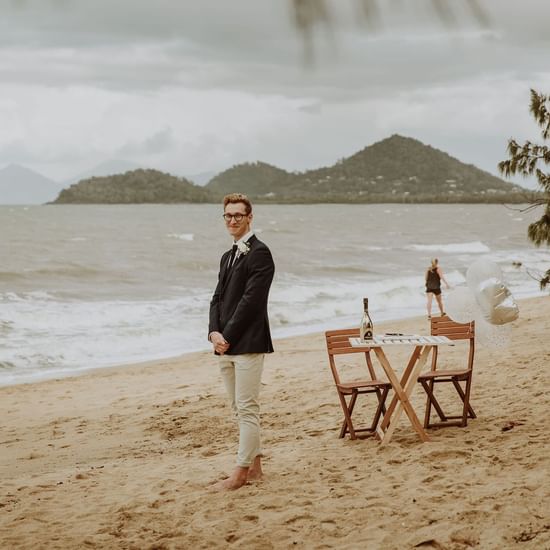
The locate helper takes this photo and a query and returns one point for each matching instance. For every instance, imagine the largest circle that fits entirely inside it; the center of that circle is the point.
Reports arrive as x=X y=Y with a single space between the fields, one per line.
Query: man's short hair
x=238 y=197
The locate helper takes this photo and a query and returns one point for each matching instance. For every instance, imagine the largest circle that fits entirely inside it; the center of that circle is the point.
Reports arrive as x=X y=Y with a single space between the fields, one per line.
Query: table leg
x=402 y=394
x=404 y=378
x=409 y=386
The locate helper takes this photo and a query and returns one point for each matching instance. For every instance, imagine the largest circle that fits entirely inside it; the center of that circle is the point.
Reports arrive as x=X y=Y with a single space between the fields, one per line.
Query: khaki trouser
x=242 y=377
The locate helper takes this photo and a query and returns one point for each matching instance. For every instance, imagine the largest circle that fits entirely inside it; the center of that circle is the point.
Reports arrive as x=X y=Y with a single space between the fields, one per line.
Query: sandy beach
x=122 y=458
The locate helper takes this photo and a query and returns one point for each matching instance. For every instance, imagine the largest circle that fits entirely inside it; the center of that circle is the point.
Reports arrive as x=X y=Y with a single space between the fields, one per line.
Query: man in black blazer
x=239 y=331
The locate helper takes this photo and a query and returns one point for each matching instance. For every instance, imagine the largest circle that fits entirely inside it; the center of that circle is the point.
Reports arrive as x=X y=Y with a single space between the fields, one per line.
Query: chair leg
x=347 y=425
x=429 y=389
x=467 y=410
x=343 y=429
x=381 y=407
x=468 y=388
x=428 y=410
x=344 y=405
x=381 y=395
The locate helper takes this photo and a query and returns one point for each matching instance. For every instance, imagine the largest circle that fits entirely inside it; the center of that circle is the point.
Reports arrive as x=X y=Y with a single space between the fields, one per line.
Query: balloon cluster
x=485 y=300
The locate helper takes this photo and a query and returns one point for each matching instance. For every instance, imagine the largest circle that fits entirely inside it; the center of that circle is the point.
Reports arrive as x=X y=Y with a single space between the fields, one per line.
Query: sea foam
x=476 y=247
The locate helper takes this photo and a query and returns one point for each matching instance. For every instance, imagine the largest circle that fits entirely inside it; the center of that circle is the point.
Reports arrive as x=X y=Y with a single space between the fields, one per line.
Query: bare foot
x=235 y=481
x=255 y=476
x=255 y=471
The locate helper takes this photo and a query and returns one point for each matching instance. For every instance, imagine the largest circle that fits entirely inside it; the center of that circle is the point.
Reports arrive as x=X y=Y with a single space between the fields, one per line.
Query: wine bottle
x=366 y=326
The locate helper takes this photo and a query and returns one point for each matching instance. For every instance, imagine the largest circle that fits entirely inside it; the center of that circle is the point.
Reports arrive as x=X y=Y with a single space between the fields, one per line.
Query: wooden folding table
x=403 y=388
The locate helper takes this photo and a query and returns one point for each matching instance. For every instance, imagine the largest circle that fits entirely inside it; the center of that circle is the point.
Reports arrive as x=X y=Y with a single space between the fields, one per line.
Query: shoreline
x=294 y=333
x=123 y=457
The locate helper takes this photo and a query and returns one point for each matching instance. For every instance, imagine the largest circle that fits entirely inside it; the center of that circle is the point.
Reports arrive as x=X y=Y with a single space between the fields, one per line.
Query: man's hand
x=219 y=342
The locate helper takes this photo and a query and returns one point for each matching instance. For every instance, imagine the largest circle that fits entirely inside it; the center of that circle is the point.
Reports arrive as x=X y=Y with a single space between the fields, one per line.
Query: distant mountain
x=407 y=170
x=20 y=185
x=254 y=179
x=396 y=169
x=137 y=186
x=105 y=168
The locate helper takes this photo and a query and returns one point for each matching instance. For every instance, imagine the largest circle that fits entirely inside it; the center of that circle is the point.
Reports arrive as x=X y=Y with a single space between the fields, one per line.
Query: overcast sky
x=194 y=86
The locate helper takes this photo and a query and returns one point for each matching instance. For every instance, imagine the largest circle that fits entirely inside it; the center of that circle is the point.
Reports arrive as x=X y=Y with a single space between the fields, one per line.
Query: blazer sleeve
x=254 y=299
x=214 y=320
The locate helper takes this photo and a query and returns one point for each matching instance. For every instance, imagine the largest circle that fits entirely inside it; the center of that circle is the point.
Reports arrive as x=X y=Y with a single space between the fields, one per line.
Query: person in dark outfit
x=434 y=276
x=239 y=331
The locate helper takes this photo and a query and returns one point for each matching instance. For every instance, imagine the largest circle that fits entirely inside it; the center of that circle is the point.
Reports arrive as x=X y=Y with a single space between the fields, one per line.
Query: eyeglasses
x=237 y=217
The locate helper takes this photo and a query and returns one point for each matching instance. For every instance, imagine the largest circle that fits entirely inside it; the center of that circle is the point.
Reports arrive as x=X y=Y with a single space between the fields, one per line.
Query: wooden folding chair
x=444 y=326
x=338 y=344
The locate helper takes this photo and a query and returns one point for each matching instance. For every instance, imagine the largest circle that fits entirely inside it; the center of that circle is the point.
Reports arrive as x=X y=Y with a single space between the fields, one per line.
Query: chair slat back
x=444 y=326
x=338 y=344
x=338 y=341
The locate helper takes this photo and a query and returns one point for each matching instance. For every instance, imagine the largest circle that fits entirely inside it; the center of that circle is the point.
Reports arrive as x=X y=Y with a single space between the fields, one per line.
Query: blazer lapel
x=228 y=272
x=226 y=269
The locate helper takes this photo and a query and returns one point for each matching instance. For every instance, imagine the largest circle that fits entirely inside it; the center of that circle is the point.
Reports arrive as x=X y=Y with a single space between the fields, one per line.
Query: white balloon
x=481 y=270
x=487 y=301
x=496 y=302
x=460 y=305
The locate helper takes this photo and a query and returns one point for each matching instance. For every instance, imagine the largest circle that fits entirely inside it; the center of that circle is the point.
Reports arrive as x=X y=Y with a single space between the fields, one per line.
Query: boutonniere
x=243 y=248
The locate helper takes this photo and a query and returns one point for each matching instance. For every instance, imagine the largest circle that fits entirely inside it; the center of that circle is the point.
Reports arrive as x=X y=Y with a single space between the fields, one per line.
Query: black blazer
x=238 y=308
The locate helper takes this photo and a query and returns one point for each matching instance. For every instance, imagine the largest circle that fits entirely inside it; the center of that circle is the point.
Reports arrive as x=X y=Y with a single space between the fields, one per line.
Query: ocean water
x=90 y=286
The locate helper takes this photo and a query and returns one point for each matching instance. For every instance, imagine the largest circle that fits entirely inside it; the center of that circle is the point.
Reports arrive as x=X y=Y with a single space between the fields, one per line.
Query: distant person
x=434 y=276
x=239 y=331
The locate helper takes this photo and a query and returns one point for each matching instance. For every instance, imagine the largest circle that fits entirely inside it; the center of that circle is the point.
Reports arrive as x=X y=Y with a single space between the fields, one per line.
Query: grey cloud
x=81 y=23
x=253 y=45
x=21 y=152
x=312 y=108
x=16 y=151
x=139 y=48
x=160 y=142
